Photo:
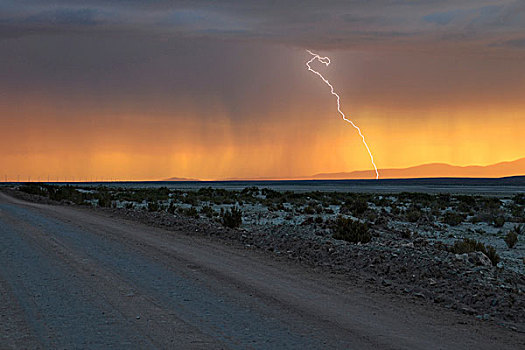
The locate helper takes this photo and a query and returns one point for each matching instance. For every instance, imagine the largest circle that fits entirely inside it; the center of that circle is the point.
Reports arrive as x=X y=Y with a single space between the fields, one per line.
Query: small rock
x=386 y=283
x=462 y=257
x=479 y=259
x=468 y=310
x=483 y=317
x=420 y=295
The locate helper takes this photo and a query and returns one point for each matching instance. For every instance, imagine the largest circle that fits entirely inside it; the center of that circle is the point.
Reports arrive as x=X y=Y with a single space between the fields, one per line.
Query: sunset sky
x=144 y=90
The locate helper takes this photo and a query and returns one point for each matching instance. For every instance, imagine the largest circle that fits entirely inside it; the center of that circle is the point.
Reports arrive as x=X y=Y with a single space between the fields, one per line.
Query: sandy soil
x=75 y=278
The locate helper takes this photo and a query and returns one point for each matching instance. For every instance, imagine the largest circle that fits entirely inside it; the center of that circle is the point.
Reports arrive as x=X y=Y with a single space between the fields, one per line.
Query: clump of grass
x=232 y=218
x=453 y=219
x=191 y=212
x=309 y=210
x=413 y=214
x=468 y=245
x=519 y=199
x=498 y=221
x=512 y=236
x=356 y=207
x=35 y=189
x=153 y=206
x=351 y=230
x=171 y=208
x=208 y=211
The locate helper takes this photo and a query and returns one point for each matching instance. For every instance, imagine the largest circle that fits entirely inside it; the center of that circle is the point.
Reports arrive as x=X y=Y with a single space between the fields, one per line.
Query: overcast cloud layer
x=474 y=24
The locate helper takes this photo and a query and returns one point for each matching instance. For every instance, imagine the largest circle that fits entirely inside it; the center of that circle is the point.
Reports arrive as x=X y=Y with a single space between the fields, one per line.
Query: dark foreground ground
x=76 y=278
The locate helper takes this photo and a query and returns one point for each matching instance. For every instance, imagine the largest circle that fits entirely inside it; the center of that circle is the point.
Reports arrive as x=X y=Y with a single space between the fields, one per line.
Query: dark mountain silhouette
x=434 y=170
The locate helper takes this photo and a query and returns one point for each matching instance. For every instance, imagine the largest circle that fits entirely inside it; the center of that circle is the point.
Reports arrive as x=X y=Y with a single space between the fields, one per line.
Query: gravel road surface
x=74 y=278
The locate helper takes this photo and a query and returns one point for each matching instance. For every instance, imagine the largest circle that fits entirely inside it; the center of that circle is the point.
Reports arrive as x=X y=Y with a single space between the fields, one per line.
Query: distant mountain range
x=180 y=179
x=433 y=170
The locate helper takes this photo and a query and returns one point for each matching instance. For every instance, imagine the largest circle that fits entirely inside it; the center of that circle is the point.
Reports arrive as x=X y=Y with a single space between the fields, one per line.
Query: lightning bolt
x=326 y=61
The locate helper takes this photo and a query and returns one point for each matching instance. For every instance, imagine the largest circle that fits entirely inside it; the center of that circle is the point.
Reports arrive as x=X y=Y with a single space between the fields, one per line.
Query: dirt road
x=74 y=278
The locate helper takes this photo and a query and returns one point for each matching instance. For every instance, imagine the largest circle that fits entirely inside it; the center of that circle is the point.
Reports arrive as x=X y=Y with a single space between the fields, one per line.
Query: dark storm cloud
x=515 y=43
x=322 y=24
x=139 y=53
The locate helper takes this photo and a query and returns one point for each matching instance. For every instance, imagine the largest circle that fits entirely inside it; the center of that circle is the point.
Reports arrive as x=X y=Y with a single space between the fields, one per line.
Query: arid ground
x=161 y=268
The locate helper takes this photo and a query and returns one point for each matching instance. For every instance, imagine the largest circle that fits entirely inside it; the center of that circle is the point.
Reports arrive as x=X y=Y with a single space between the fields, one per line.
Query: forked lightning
x=326 y=62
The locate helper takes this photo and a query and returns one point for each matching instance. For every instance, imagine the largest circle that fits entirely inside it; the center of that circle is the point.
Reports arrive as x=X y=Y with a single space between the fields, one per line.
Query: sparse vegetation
x=153 y=206
x=351 y=230
x=511 y=238
x=191 y=212
x=208 y=211
x=355 y=207
x=413 y=214
x=453 y=219
x=232 y=218
x=468 y=245
x=498 y=221
x=403 y=213
x=414 y=235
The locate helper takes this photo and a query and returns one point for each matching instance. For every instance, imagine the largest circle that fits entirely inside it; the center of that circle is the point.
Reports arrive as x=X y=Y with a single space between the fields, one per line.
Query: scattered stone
x=484 y=317
x=479 y=259
x=386 y=283
x=468 y=310
x=420 y=295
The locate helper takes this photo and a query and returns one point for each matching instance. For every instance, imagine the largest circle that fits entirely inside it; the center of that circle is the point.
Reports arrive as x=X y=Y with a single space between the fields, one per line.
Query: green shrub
x=208 y=210
x=498 y=221
x=153 y=206
x=453 y=219
x=309 y=210
x=68 y=193
x=493 y=256
x=413 y=214
x=191 y=212
x=351 y=231
x=104 y=199
x=355 y=207
x=232 y=218
x=511 y=239
x=519 y=199
x=34 y=189
x=468 y=245
x=395 y=210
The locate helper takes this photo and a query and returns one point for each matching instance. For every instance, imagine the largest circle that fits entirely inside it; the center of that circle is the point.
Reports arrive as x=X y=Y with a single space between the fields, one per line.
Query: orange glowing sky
x=108 y=101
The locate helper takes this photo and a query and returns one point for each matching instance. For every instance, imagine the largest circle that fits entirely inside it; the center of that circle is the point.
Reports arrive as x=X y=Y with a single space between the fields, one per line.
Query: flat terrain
x=75 y=278
x=476 y=186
